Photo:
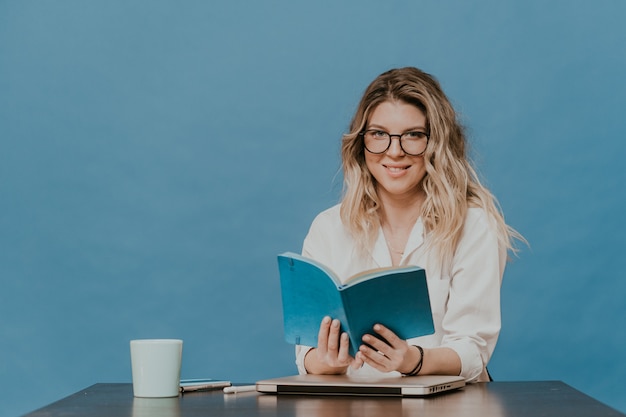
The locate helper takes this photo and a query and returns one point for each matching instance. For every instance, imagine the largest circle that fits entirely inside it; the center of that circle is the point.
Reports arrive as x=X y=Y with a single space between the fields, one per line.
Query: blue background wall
x=155 y=156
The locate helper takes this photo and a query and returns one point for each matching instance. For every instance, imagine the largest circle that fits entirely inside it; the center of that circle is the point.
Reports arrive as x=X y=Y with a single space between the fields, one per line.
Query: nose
x=395 y=149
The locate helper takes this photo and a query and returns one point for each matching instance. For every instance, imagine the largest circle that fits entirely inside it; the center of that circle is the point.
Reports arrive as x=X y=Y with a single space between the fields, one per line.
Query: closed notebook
x=395 y=297
x=394 y=386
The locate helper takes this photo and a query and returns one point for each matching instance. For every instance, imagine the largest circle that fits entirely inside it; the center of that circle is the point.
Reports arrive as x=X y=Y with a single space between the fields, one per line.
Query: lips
x=397 y=169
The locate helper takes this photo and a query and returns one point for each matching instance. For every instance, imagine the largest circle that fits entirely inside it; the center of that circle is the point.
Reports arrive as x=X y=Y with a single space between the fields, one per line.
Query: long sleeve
x=471 y=322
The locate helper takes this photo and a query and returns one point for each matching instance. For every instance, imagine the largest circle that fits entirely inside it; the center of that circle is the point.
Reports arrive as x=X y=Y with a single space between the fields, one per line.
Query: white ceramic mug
x=155 y=367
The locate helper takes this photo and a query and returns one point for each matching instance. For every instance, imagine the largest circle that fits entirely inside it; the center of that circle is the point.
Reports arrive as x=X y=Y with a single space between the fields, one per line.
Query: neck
x=400 y=214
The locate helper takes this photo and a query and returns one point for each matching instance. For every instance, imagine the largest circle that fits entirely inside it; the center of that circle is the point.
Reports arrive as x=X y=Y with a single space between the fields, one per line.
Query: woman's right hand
x=332 y=353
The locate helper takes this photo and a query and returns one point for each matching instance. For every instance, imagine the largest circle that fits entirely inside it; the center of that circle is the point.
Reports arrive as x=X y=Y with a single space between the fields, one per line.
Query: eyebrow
x=411 y=129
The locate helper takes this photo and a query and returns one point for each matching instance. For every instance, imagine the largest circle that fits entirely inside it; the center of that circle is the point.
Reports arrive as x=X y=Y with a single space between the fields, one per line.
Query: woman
x=411 y=197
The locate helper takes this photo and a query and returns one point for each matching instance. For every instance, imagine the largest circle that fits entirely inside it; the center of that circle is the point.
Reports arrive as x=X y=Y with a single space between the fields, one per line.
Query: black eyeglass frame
x=362 y=134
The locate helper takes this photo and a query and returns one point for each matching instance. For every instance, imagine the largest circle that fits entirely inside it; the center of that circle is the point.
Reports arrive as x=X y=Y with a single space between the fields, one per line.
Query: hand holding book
x=395 y=297
x=332 y=353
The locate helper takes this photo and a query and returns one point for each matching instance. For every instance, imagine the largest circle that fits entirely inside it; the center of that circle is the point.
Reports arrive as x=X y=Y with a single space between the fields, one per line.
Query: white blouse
x=465 y=301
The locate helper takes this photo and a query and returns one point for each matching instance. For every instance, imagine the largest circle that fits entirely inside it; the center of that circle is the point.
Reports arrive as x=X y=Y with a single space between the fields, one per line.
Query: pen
x=202 y=386
x=240 y=388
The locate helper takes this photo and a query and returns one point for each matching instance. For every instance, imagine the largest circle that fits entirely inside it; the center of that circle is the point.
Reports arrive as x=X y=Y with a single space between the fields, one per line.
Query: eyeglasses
x=378 y=141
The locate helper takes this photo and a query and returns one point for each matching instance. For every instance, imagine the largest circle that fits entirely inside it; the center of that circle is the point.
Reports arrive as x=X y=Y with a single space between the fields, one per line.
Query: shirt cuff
x=301 y=352
x=472 y=367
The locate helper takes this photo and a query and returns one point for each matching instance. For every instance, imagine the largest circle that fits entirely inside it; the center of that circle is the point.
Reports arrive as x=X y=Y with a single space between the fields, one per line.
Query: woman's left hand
x=393 y=355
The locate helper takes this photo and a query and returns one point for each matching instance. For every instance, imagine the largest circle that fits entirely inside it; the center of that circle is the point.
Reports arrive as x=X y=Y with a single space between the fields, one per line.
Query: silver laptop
x=399 y=386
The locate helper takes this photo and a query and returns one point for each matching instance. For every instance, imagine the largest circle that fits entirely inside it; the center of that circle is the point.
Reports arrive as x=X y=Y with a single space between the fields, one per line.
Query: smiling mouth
x=396 y=169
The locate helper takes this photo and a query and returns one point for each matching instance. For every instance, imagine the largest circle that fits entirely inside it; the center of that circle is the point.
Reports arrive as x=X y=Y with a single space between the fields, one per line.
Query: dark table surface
x=493 y=399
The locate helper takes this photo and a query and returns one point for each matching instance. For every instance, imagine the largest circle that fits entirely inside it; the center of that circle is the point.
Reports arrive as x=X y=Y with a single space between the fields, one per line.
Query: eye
x=415 y=135
x=378 y=134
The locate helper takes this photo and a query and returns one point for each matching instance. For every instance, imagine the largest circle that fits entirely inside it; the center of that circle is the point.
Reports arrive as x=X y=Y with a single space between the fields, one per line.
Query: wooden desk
x=493 y=399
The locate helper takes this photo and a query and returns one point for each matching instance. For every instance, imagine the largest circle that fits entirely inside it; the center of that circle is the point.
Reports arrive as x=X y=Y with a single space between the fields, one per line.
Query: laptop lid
x=399 y=386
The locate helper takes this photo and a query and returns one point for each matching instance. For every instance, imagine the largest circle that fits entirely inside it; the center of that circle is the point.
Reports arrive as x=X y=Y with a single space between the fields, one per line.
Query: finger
x=373 y=355
x=333 y=337
x=373 y=358
x=344 y=348
x=391 y=338
x=358 y=361
x=376 y=344
x=322 y=336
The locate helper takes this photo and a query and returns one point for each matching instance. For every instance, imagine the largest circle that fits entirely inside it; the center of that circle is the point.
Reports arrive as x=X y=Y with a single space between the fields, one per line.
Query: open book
x=394 y=297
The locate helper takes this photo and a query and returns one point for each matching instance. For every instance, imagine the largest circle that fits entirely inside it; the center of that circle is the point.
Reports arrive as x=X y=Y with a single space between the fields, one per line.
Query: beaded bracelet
x=418 y=367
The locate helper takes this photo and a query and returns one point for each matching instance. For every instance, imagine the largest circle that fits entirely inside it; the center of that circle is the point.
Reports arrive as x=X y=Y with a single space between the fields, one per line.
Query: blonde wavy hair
x=451 y=184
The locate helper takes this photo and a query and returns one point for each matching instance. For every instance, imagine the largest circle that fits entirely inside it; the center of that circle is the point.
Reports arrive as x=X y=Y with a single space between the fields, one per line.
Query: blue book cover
x=394 y=297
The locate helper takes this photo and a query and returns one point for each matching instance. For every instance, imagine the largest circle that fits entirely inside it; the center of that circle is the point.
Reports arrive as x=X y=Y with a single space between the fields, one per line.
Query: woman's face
x=398 y=175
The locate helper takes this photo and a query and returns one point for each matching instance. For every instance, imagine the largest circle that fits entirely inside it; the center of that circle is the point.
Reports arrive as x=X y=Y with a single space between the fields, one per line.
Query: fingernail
x=326 y=320
x=336 y=323
x=377 y=327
